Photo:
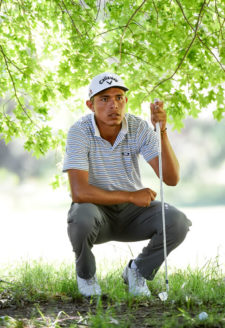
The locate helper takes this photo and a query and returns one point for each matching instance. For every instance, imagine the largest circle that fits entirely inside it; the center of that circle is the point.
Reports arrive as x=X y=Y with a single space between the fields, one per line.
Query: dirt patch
x=83 y=312
x=79 y=311
x=43 y=313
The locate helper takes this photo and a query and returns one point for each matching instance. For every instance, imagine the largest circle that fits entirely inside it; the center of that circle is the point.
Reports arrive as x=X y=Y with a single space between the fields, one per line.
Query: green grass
x=50 y=294
x=39 y=280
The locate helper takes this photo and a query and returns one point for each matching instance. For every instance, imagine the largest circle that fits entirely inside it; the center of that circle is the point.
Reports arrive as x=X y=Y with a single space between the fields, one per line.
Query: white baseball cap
x=105 y=81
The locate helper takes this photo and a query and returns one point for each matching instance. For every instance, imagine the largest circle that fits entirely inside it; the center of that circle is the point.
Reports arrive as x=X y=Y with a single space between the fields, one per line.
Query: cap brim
x=113 y=86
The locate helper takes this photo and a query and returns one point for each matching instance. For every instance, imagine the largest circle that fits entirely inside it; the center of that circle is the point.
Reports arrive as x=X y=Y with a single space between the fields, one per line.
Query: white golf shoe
x=88 y=287
x=135 y=281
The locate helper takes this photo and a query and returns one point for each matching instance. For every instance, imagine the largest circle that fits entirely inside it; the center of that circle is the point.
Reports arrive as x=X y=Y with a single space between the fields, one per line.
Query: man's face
x=109 y=107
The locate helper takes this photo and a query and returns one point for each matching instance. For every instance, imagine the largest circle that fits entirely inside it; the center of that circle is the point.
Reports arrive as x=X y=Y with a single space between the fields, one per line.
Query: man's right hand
x=143 y=197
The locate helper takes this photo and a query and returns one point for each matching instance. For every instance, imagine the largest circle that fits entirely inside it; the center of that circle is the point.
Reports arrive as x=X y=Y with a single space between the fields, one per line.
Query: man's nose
x=113 y=103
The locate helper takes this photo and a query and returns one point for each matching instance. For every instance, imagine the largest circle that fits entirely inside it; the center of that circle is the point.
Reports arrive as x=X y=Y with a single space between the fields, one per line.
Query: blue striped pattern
x=110 y=167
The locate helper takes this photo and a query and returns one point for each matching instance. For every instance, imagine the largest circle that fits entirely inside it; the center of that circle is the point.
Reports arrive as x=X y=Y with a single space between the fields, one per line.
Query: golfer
x=109 y=201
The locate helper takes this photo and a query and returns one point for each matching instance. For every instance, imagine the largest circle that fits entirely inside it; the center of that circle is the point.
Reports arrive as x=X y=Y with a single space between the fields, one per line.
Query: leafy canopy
x=170 y=49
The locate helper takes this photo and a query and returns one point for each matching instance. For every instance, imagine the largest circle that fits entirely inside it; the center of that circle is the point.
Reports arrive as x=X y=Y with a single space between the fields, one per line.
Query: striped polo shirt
x=111 y=167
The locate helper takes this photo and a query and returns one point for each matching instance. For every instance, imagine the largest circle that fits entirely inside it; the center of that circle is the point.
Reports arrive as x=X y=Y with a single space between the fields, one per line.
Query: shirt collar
x=123 y=130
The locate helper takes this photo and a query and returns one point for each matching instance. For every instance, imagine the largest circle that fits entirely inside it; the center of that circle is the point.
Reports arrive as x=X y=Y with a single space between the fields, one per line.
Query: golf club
x=164 y=295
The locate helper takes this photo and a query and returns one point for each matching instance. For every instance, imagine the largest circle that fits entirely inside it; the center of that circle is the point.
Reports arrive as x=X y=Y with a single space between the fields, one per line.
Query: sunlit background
x=33 y=213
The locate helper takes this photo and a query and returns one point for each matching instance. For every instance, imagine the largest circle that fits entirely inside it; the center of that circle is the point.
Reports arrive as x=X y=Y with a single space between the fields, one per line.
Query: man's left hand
x=158 y=114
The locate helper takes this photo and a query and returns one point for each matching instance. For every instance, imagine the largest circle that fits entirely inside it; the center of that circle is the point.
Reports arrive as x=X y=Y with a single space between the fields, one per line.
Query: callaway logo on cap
x=105 y=81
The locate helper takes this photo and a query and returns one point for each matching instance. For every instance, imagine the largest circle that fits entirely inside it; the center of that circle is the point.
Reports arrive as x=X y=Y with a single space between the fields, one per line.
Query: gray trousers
x=90 y=224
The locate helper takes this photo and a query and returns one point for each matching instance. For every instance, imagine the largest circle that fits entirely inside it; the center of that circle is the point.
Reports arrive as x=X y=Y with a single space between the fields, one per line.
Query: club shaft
x=158 y=131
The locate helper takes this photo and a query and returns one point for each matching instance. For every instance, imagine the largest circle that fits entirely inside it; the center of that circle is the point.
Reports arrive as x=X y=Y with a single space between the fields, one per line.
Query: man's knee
x=82 y=224
x=177 y=224
x=82 y=215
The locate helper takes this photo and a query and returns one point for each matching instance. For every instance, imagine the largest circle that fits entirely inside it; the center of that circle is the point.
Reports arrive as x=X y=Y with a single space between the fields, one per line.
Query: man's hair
x=92 y=98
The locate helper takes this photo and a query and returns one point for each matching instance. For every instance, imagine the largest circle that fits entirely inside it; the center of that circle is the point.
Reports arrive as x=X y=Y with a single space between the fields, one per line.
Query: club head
x=163 y=296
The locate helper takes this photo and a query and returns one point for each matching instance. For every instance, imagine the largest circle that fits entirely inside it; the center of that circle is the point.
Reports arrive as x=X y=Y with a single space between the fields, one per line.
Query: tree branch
x=71 y=18
x=185 y=54
x=140 y=59
x=3 y=108
x=200 y=39
x=126 y=26
x=99 y=6
x=11 y=62
x=14 y=86
x=157 y=13
x=221 y=24
x=6 y=282
x=222 y=27
x=81 y=18
x=113 y=29
x=218 y=11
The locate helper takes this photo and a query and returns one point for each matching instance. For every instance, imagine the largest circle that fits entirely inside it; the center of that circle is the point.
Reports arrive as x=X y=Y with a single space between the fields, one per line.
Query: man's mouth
x=114 y=115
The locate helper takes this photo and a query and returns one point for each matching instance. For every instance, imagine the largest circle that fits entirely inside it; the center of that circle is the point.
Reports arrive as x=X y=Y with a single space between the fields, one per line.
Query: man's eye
x=104 y=99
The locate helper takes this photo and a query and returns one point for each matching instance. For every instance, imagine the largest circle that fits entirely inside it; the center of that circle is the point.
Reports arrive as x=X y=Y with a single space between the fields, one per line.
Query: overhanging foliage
x=170 y=49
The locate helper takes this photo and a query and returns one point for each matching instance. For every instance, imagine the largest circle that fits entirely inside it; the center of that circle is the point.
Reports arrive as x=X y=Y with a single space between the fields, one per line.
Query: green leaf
x=49 y=51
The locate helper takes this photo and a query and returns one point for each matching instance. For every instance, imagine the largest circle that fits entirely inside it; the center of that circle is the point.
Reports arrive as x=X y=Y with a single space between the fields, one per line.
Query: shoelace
x=139 y=279
x=91 y=281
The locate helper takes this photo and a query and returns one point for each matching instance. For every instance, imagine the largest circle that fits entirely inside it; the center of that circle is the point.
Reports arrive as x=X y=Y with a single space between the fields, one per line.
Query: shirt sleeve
x=77 y=149
x=147 y=141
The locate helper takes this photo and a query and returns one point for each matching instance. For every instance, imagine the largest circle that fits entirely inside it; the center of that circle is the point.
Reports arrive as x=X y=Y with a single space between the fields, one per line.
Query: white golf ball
x=203 y=316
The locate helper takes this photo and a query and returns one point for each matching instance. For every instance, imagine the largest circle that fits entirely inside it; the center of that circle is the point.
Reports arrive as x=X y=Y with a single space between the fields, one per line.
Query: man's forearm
x=83 y=192
x=170 y=164
x=95 y=195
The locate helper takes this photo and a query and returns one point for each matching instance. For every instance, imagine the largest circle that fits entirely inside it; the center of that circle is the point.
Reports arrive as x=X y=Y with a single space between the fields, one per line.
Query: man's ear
x=126 y=99
x=90 y=105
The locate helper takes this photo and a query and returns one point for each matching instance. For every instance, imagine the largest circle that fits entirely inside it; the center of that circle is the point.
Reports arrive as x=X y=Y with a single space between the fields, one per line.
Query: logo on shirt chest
x=124 y=153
